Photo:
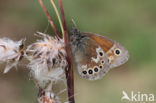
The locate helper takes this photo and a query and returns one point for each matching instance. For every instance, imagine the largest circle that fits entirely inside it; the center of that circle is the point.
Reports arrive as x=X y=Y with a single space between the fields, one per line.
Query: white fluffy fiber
x=47 y=59
x=9 y=52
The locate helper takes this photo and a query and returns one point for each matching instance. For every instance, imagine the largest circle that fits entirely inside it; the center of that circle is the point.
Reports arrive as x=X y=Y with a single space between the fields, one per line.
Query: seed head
x=47 y=59
x=11 y=52
x=48 y=97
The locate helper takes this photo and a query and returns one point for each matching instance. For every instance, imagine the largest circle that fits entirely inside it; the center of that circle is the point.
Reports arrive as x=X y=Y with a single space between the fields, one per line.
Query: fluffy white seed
x=47 y=59
x=10 y=52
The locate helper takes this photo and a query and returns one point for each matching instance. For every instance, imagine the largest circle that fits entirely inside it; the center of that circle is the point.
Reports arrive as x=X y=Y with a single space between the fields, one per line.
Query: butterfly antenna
x=74 y=29
x=73 y=23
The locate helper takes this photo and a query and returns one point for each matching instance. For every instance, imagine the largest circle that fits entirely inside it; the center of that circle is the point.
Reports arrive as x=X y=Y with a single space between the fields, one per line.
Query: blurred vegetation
x=130 y=22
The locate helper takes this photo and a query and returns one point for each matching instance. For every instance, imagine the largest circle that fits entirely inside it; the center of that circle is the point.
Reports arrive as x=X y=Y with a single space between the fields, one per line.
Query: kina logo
x=137 y=97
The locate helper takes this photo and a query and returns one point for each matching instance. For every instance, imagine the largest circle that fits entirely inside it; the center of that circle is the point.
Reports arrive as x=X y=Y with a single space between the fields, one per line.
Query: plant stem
x=69 y=69
x=58 y=16
x=49 y=19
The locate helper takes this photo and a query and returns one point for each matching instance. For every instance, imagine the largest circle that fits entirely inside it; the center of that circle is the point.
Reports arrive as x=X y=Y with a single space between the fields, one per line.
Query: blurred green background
x=130 y=22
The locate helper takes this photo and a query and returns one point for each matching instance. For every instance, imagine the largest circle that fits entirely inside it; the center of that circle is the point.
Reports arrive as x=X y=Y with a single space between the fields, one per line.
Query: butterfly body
x=94 y=55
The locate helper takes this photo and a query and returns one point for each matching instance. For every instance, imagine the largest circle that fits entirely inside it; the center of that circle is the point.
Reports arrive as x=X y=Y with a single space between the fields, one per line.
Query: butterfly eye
x=117 y=52
x=100 y=66
x=96 y=69
x=101 y=53
x=90 y=72
x=102 y=61
x=84 y=72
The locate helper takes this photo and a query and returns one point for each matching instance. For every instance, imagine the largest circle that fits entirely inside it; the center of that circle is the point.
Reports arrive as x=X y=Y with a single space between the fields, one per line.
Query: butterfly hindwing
x=89 y=57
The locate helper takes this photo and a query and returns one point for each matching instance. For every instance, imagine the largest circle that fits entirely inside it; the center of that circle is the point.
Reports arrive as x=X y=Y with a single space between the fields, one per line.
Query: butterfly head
x=77 y=39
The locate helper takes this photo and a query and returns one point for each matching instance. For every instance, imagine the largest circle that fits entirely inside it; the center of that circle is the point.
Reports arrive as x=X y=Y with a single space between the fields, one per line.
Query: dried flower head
x=11 y=52
x=47 y=59
x=48 y=97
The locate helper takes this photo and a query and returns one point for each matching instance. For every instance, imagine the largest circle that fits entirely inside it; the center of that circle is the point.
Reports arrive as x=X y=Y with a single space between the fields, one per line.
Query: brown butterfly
x=95 y=55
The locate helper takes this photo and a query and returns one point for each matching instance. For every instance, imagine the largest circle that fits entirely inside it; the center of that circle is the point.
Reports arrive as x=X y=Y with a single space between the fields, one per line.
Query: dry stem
x=69 y=69
x=49 y=18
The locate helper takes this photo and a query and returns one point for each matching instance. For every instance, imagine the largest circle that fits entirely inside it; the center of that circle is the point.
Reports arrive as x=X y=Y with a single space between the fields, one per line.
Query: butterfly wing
x=89 y=57
x=115 y=52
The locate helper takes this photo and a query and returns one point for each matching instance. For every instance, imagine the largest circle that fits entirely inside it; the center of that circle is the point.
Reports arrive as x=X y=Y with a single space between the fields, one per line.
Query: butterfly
x=94 y=55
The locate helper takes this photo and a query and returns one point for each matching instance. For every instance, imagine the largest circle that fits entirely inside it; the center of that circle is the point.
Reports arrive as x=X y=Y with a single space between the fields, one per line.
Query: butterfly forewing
x=115 y=52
